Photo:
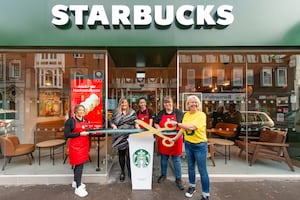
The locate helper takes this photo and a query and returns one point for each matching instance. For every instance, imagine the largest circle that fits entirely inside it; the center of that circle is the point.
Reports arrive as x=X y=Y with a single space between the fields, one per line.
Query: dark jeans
x=197 y=153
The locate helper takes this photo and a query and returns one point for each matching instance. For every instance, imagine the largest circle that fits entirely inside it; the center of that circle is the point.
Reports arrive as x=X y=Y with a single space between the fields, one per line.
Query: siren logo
x=141 y=158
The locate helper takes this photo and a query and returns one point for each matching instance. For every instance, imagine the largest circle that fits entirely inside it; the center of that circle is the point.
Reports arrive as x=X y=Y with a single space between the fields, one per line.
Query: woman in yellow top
x=193 y=127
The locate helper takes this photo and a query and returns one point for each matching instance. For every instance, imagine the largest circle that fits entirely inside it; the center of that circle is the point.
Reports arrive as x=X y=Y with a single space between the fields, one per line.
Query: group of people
x=191 y=128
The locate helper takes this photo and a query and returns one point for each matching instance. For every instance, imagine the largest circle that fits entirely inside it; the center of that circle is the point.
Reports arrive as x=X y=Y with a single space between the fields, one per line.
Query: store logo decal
x=141 y=158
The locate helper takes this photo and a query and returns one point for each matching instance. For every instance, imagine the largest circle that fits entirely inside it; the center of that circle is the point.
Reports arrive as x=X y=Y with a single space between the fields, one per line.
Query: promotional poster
x=88 y=92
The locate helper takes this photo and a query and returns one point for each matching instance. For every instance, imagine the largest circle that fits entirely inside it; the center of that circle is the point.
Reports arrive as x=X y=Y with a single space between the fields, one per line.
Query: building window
x=225 y=58
x=197 y=58
x=237 y=77
x=190 y=78
x=250 y=77
x=252 y=58
x=15 y=69
x=51 y=67
x=238 y=58
x=78 y=55
x=50 y=78
x=184 y=58
x=266 y=77
x=207 y=76
x=220 y=76
x=265 y=58
x=281 y=77
x=210 y=58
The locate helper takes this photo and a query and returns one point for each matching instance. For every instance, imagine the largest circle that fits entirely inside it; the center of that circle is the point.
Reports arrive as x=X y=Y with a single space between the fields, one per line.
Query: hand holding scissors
x=157 y=131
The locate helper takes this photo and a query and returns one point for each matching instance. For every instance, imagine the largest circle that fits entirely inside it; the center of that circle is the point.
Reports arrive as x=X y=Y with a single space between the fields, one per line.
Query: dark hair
x=142 y=98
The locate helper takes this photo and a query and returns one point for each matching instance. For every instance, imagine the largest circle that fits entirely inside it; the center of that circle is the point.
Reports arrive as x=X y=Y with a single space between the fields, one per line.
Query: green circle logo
x=141 y=158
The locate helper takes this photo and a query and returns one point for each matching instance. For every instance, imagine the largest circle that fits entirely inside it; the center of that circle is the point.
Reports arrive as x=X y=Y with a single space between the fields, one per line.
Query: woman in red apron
x=75 y=131
x=169 y=114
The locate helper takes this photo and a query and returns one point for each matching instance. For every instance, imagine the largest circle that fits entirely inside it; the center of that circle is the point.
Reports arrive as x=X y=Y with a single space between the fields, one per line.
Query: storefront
x=241 y=52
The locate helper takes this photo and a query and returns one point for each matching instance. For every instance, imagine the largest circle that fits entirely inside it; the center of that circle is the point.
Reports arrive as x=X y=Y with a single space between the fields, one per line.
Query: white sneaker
x=81 y=192
x=74 y=185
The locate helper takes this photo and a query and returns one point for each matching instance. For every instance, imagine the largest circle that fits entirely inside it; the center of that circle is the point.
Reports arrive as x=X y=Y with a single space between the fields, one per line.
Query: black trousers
x=78 y=174
x=124 y=159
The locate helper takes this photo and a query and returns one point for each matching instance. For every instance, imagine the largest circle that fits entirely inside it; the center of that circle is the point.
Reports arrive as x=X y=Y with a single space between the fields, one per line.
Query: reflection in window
x=266 y=77
x=281 y=77
x=15 y=69
x=48 y=78
x=51 y=67
x=237 y=77
x=250 y=77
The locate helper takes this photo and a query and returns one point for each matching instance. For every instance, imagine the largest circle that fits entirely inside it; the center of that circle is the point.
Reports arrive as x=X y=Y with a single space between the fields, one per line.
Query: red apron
x=176 y=149
x=144 y=117
x=79 y=147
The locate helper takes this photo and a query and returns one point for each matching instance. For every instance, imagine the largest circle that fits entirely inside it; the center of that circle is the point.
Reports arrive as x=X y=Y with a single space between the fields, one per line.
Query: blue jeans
x=164 y=165
x=197 y=153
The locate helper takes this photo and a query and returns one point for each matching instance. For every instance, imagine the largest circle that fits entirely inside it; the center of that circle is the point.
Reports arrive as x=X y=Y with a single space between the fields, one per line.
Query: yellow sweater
x=199 y=120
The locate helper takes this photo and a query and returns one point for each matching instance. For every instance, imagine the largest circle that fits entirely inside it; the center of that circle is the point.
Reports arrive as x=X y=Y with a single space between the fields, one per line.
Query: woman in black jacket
x=123 y=118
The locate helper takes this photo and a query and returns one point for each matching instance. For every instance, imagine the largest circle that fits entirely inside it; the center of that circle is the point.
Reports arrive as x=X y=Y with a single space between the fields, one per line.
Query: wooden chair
x=211 y=153
x=270 y=145
x=225 y=130
x=11 y=147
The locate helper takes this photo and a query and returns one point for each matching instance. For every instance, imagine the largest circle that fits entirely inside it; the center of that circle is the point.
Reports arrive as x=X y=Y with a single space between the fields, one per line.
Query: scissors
x=156 y=131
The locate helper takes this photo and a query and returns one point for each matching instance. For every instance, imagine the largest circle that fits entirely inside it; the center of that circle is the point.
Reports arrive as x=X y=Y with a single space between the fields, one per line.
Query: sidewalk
x=268 y=190
x=232 y=188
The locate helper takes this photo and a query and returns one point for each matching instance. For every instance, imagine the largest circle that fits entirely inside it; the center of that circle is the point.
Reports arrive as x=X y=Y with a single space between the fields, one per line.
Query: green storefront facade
x=177 y=47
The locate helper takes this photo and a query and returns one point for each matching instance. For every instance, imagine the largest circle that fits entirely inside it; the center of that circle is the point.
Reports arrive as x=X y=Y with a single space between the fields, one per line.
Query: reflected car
x=7 y=121
x=289 y=119
x=254 y=121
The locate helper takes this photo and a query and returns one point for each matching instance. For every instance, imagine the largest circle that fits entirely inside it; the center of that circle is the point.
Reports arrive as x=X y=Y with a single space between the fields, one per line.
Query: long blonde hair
x=119 y=109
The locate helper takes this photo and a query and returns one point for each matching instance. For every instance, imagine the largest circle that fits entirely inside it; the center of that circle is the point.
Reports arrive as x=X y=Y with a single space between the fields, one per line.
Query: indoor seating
x=11 y=147
x=270 y=145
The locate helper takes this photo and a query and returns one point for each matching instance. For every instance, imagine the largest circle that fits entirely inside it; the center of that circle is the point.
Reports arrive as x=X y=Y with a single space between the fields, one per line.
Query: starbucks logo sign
x=141 y=158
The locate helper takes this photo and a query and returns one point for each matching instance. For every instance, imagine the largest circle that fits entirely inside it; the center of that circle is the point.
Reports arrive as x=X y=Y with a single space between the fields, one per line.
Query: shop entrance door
x=152 y=83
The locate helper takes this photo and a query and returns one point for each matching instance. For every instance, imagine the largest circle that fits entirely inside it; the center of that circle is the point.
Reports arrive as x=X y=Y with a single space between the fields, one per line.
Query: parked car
x=254 y=121
x=7 y=121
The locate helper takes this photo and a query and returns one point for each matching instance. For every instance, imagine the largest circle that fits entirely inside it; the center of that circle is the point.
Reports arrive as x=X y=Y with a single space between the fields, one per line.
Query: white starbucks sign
x=142 y=15
x=141 y=158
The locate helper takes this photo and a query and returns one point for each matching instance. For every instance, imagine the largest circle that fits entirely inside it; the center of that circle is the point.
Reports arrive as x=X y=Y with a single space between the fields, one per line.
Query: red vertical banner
x=88 y=92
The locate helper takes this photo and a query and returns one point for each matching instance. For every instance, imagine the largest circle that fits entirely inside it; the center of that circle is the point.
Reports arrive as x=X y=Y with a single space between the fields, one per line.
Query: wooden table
x=51 y=144
x=224 y=142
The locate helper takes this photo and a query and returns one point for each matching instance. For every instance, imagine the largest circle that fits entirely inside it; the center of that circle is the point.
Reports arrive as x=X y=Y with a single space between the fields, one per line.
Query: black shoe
x=122 y=177
x=179 y=184
x=204 y=198
x=161 y=179
x=190 y=192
